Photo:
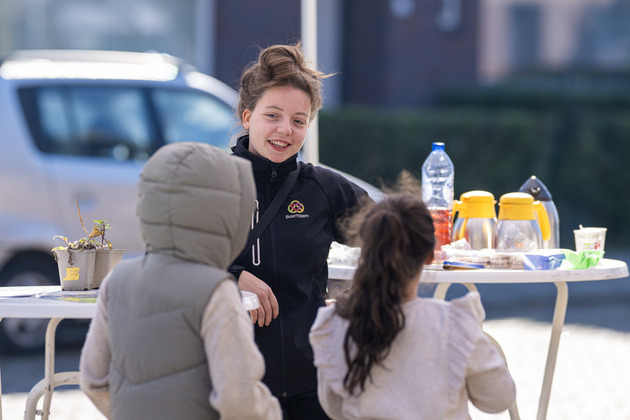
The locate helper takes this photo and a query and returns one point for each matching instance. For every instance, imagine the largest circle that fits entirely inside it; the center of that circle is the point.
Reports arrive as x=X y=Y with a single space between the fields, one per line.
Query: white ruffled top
x=437 y=363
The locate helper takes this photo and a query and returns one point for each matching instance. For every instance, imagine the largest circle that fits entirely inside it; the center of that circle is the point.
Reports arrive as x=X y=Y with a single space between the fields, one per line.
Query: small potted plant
x=84 y=263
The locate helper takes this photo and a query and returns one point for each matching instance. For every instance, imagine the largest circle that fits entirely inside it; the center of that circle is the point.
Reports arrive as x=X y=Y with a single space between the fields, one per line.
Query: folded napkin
x=583 y=259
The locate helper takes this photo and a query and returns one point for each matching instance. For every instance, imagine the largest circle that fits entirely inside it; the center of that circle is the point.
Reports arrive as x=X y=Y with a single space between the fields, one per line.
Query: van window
x=96 y=121
x=122 y=123
x=111 y=122
x=193 y=116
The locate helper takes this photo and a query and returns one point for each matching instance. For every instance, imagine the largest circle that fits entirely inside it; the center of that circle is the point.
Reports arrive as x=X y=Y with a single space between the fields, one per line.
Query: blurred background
x=513 y=87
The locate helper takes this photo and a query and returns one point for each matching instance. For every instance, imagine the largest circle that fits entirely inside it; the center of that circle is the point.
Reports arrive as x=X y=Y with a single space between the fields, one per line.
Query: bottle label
x=438 y=193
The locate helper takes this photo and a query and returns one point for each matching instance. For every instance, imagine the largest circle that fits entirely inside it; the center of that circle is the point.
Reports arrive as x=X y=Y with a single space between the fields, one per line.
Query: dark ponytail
x=396 y=238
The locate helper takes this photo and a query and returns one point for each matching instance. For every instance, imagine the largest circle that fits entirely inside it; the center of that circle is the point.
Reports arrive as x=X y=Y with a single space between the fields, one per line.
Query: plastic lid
x=517 y=198
x=481 y=205
x=475 y=204
x=536 y=188
x=437 y=146
x=250 y=300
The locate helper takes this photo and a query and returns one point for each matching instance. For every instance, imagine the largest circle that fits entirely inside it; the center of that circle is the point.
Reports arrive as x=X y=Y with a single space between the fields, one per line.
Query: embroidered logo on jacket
x=296 y=209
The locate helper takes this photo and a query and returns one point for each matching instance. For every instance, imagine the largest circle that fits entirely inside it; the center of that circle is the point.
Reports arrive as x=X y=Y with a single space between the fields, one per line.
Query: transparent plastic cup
x=590 y=239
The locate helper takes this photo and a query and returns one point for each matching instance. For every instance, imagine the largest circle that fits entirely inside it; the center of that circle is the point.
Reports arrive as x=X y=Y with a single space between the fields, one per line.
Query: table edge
x=608 y=269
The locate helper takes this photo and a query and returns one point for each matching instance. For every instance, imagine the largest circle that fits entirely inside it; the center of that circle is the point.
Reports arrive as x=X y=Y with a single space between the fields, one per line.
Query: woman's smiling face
x=278 y=124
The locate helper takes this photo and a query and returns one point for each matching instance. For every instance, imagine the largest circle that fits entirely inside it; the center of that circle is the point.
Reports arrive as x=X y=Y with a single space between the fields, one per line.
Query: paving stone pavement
x=592 y=375
x=591 y=381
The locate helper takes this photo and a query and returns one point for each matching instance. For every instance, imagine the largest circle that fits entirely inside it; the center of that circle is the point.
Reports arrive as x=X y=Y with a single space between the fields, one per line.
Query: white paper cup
x=590 y=238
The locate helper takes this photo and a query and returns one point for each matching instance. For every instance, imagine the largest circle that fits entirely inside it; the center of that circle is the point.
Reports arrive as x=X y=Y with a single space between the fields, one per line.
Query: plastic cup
x=590 y=239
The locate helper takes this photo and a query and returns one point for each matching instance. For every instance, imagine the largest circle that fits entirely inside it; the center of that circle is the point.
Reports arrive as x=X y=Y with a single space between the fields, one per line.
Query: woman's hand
x=268 y=308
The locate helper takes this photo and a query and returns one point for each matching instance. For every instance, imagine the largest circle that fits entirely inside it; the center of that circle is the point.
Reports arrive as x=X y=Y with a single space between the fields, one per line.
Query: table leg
x=49 y=364
x=49 y=376
x=559 y=312
x=442 y=288
x=34 y=395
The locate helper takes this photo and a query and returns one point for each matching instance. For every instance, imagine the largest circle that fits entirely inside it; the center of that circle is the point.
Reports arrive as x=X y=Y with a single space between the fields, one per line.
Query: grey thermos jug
x=539 y=191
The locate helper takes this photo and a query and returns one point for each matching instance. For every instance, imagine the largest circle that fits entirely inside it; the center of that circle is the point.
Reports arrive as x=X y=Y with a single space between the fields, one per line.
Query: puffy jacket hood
x=195 y=202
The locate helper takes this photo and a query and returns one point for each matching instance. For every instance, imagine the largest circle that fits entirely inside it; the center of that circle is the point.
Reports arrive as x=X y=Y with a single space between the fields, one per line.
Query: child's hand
x=268 y=308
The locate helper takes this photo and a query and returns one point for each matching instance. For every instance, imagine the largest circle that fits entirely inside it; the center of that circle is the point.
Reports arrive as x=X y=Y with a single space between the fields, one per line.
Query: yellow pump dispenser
x=519 y=211
x=476 y=217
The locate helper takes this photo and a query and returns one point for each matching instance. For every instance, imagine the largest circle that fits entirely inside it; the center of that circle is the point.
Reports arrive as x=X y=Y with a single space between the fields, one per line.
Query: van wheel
x=26 y=334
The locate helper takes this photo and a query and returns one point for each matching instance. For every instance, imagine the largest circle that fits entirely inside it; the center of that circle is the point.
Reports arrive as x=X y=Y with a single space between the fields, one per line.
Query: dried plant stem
x=80 y=218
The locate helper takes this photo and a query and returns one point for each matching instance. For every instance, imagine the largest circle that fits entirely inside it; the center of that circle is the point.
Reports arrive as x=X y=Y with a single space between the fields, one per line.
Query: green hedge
x=535 y=97
x=582 y=155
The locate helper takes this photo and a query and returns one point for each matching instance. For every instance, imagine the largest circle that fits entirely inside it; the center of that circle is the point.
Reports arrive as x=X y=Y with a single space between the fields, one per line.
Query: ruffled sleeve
x=326 y=338
x=477 y=363
x=465 y=318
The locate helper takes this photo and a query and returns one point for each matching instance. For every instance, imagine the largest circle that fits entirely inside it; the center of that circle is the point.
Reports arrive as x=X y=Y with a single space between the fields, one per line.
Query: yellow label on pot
x=72 y=273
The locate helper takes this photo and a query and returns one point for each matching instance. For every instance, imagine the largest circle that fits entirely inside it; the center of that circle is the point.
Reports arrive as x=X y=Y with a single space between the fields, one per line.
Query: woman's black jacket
x=291 y=257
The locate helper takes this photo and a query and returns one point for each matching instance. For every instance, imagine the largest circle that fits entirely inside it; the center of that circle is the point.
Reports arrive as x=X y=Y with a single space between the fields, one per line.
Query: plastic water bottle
x=438 y=174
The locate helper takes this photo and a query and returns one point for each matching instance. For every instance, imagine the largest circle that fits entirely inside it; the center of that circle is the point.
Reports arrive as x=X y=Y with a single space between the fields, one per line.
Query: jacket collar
x=264 y=169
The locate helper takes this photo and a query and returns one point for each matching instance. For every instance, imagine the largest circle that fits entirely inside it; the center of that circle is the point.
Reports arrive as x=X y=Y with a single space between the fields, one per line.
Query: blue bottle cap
x=437 y=146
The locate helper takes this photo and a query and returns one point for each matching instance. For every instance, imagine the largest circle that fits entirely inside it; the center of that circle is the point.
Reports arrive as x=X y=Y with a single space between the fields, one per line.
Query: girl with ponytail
x=383 y=352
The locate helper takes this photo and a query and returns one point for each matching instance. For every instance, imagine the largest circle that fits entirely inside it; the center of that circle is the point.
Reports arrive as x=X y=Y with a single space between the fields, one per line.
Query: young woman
x=286 y=265
x=383 y=352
